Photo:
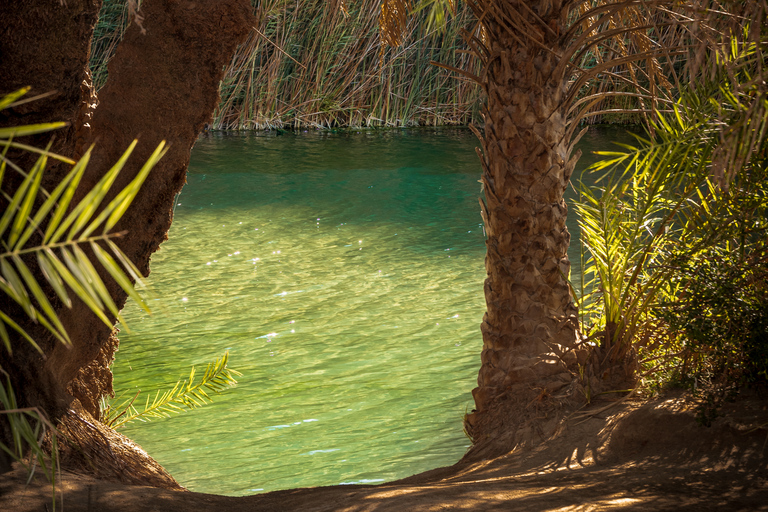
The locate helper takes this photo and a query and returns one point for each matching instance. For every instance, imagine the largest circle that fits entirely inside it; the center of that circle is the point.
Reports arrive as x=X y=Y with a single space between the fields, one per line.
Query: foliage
x=187 y=393
x=383 y=63
x=722 y=315
x=44 y=234
x=62 y=231
x=676 y=239
x=439 y=12
x=28 y=427
x=323 y=64
x=632 y=224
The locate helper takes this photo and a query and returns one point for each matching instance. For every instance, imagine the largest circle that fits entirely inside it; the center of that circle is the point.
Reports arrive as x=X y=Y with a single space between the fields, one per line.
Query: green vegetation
x=676 y=238
x=328 y=64
x=29 y=427
x=45 y=237
x=189 y=394
x=674 y=286
x=316 y=65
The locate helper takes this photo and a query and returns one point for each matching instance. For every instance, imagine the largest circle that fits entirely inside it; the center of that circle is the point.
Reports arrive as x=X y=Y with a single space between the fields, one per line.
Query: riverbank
x=633 y=455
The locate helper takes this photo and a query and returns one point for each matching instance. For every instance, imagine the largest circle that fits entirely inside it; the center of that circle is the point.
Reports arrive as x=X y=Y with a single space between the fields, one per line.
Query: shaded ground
x=631 y=456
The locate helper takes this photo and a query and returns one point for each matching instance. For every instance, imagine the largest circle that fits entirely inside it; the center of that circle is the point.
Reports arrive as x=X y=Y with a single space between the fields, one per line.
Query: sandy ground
x=631 y=456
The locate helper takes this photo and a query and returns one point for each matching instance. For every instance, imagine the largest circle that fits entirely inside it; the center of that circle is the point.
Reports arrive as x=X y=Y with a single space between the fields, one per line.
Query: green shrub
x=722 y=314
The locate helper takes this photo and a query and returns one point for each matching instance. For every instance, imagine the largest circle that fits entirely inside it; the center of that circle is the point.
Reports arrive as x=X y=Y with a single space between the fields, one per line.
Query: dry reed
x=315 y=65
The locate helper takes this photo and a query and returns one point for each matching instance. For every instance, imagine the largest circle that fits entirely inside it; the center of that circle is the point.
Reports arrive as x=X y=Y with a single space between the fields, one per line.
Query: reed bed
x=311 y=65
x=320 y=64
x=113 y=20
x=323 y=64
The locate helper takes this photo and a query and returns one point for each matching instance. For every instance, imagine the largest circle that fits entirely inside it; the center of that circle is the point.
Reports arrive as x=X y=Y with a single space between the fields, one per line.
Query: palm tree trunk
x=163 y=85
x=530 y=330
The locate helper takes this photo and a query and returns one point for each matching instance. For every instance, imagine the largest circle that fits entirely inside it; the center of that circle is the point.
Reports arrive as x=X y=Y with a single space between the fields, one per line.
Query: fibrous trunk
x=530 y=330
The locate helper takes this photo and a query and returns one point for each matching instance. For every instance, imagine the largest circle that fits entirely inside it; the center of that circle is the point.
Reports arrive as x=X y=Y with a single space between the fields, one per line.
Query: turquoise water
x=343 y=273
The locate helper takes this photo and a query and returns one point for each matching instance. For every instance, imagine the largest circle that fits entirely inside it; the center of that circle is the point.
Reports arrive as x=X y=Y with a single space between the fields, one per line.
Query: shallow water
x=343 y=273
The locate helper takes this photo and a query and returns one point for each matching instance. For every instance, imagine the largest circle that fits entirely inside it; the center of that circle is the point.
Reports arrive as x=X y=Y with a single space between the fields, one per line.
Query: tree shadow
x=653 y=456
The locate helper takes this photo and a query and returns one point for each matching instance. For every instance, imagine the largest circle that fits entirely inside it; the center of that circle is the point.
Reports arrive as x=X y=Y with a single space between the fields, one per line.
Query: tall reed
x=314 y=65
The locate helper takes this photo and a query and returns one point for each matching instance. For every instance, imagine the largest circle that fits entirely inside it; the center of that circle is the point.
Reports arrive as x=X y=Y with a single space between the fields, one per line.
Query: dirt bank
x=631 y=456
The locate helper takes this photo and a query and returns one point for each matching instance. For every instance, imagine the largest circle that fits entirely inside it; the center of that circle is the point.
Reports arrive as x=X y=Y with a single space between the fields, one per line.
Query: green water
x=343 y=272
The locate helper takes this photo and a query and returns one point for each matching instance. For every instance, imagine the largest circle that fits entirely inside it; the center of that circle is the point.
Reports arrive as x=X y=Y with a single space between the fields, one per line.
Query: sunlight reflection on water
x=344 y=273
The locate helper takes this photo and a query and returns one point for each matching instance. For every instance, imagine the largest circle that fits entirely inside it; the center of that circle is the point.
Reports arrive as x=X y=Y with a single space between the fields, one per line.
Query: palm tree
x=539 y=63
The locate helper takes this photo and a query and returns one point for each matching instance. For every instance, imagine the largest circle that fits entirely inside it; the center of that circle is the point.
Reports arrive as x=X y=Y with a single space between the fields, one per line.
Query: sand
x=632 y=455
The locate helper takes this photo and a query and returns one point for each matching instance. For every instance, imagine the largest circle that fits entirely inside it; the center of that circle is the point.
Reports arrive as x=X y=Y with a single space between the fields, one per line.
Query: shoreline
x=641 y=455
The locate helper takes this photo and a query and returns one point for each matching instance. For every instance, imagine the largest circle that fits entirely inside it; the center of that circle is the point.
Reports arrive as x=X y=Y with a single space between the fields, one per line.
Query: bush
x=722 y=315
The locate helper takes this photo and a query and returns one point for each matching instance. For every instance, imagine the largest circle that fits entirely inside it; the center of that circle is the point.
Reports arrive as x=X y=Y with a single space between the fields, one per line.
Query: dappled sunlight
x=348 y=298
x=625 y=478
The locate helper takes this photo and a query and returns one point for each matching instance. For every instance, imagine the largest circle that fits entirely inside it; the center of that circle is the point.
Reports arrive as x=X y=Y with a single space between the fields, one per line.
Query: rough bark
x=163 y=85
x=44 y=45
x=530 y=330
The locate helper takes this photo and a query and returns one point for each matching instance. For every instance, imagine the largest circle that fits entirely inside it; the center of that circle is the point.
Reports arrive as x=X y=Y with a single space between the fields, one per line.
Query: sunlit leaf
x=25 y=207
x=53 y=278
x=7 y=100
x=184 y=394
x=87 y=207
x=117 y=274
x=16 y=288
x=40 y=297
x=31 y=129
x=65 y=191
x=119 y=205
x=79 y=285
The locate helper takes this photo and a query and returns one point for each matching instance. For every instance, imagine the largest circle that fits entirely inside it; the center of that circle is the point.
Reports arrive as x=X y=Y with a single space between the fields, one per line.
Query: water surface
x=343 y=273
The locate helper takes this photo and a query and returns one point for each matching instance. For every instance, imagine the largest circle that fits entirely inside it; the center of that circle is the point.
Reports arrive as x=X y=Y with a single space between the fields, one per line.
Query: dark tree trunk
x=163 y=85
x=44 y=45
x=530 y=331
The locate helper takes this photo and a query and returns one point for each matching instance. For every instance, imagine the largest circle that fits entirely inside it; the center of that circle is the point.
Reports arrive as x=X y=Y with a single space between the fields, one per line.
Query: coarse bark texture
x=530 y=331
x=44 y=45
x=163 y=85
x=87 y=446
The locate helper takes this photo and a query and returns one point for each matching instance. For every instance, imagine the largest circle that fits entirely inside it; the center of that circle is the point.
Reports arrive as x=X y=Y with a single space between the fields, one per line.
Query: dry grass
x=323 y=64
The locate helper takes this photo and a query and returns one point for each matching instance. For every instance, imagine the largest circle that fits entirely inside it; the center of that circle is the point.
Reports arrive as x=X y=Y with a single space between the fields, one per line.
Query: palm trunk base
x=90 y=448
x=528 y=403
x=612 y=369
x=521 y=416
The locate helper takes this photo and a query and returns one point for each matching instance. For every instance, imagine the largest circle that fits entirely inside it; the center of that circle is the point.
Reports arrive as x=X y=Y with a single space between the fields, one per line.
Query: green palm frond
x=62 y=230
x=631 y=223
x=43 y=233
x=185 y=394
x=664 y=203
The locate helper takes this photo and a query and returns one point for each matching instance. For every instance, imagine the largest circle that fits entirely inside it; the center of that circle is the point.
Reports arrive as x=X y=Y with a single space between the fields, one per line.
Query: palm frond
x=185 y=394
x=665 y=205
x=61 y=230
